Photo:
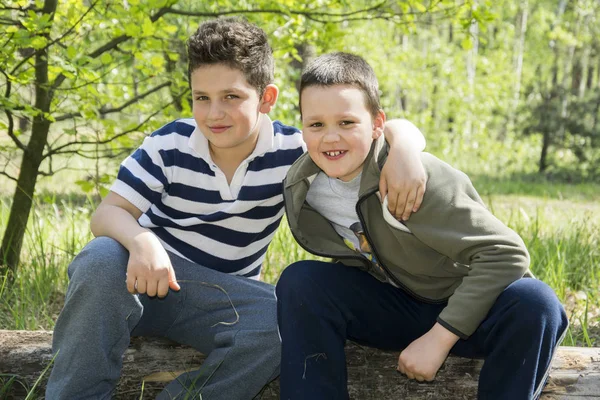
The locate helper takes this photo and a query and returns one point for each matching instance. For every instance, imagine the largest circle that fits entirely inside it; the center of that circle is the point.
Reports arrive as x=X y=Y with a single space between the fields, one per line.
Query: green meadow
x=560 y=224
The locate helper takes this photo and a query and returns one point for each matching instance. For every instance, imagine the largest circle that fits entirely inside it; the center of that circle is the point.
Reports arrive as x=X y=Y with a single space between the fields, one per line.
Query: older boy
x=193 y=210
x=447 y=280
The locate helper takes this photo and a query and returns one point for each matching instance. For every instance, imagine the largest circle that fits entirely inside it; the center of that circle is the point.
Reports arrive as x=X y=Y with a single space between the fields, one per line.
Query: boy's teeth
x=333 y=153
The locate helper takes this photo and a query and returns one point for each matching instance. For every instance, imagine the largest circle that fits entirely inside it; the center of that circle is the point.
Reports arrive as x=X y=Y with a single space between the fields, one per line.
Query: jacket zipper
x=387 y=271
x=361 y=259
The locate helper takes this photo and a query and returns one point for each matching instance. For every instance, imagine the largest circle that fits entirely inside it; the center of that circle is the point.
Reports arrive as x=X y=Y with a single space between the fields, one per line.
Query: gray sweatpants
x=100 y=315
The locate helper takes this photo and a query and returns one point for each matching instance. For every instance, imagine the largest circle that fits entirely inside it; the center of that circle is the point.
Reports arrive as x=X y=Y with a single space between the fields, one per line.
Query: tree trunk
x=372 y=374
x=12 y=240
x=518 y=60
x=544 y=154
x=471 y=71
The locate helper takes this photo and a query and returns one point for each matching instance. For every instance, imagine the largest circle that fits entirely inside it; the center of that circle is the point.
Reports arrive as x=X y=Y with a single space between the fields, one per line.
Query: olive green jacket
x=452 y=250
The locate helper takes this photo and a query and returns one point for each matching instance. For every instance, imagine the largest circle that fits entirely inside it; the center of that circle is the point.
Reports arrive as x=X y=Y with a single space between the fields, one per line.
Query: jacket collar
x=306 y=169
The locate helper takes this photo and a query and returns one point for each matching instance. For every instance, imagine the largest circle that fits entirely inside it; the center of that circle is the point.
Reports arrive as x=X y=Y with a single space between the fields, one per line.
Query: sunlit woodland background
x=506 y=90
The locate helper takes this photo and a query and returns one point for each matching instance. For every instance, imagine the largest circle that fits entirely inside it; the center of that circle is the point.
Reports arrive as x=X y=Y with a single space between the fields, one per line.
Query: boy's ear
x=269 y=98
x=378 y=124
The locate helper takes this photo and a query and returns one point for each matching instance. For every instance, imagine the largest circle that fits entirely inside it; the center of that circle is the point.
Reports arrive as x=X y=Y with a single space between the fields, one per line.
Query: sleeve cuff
x=129 y=194
x=452 y=329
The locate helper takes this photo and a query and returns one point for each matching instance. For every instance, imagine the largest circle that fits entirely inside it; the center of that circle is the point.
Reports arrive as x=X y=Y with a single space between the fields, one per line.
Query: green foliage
x=117 y=71
x=562 y=234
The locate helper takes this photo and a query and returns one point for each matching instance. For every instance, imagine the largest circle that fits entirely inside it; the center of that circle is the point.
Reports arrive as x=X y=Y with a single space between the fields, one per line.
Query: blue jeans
x=100 y=315
x=320 y=305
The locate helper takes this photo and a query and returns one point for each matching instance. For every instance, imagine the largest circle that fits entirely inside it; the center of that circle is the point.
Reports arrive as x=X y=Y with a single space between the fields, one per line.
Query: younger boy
x=447 y=280
x=193 y=210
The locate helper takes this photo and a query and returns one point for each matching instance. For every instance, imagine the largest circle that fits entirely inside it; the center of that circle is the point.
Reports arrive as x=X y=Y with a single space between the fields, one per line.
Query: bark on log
x=372 y=375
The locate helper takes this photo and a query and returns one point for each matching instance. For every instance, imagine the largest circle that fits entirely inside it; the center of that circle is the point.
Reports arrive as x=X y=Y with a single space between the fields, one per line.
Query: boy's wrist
x=140 y=240
x=444 y=336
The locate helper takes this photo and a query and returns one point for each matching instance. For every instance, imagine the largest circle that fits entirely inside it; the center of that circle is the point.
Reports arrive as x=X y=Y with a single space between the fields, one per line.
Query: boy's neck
x=229 y=159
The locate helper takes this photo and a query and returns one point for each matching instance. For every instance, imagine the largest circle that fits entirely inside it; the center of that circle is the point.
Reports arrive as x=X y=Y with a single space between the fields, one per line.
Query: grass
x=562 y=236
x=559 y=222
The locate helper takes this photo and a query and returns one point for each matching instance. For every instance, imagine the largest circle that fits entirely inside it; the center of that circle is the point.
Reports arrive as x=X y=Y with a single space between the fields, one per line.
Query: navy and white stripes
x=188 y=204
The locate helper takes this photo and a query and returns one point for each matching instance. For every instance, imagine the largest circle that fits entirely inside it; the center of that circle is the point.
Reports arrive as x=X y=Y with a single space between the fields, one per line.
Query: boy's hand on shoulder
x=149 y=269
x=403 y=180
x=422 y=359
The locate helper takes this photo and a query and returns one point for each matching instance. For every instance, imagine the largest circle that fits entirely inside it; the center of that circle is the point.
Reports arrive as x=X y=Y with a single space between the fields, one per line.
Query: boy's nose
x=215 y=111
x=331 y=136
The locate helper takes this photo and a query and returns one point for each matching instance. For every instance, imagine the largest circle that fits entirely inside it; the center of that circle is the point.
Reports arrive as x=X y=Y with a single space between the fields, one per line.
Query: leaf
x=419 y=6
x=71 y=52
x=106 y=58
x=132 y=30
x=148 y=27
x=467 y=43
x=38 y=42
x=157 y=61
x=86 y=186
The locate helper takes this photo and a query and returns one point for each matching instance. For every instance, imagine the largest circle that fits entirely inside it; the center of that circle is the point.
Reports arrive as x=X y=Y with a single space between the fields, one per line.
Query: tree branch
x=58 y=150
x=52 y=42
x=8 y=21
x=317 y=16
x=4 y=173
x=99 y=78
x=106 y=47
x=11 y=133
x=11 y=122
x=93 y=154
x=117 y=109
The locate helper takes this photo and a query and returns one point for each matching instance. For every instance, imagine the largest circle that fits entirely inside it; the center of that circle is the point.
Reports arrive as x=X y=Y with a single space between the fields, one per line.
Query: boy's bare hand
x=403 y=179
x=149 y=269
x=422 y=359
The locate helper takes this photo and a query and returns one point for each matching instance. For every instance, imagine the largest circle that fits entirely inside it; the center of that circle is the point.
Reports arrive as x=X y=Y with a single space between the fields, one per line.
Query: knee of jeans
x=538 y=304
x=296 y=280
x=100 y=264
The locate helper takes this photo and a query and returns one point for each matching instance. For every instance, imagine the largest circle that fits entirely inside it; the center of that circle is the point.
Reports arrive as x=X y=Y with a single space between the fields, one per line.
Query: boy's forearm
x=443 y=336
x=403 y=133
x=116 y=223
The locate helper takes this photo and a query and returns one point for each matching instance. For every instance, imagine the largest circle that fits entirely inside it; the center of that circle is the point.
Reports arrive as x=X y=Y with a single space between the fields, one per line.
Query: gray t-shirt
x=336 y=201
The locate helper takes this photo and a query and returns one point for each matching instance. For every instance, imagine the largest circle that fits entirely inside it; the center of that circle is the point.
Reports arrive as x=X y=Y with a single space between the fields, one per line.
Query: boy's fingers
x=408 y=207
x=419 y=197
x=173 y=280
x=400 y=206
x=130 y=283
x=151 y=288
x=401 y=368
x=162 y=288
x=141 y=286
x=382 y=188
x=393 y=204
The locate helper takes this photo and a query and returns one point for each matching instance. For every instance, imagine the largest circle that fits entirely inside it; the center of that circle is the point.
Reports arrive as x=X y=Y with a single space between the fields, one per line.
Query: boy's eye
x=201 y=98
x=232 y=96
x=346 y=122
x=316 y=125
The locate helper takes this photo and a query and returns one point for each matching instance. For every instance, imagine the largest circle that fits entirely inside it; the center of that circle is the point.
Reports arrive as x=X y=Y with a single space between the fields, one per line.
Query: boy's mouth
x=218 y=128
x=334 y=155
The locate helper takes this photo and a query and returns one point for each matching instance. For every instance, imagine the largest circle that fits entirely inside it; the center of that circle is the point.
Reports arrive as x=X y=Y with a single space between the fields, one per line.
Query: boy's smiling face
x=227 y=108
x=338 y=128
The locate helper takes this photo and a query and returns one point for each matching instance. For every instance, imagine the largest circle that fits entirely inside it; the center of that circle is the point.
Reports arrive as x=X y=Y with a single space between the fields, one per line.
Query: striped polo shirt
x=186 y=200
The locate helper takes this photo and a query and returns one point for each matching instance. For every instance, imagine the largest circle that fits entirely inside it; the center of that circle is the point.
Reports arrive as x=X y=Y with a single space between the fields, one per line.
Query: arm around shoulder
x=403 y=179
x=402 y=132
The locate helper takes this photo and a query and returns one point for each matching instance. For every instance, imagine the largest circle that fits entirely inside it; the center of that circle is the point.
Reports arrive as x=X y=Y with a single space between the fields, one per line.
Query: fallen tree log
x=149 y=364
